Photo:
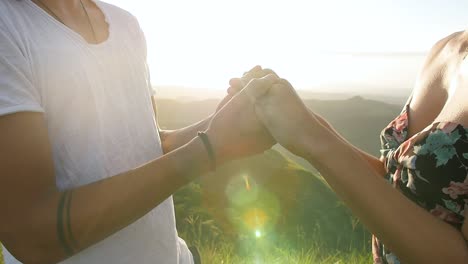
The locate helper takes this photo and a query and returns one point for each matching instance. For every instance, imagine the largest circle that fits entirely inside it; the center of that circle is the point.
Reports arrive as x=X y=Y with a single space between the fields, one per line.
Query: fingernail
x=256 y=68
x=234 y=82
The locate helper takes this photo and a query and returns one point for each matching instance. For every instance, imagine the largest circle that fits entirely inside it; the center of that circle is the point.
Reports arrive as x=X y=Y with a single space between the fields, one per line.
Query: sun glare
x=315 y=44
x=258 y=233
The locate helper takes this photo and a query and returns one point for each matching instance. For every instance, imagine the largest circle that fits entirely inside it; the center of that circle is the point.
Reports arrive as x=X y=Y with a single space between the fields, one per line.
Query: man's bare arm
x=41 y=224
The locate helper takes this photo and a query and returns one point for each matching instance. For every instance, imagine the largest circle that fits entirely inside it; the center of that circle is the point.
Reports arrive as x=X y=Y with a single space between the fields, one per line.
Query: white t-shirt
x=96 y=102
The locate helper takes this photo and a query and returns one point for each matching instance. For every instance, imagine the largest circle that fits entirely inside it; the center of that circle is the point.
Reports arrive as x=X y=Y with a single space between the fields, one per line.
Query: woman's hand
x=237 y=84
x=235 y=130
x=284 y=114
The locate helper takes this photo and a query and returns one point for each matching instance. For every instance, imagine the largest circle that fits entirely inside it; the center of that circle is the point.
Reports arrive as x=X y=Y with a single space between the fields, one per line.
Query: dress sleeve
x=17 y=92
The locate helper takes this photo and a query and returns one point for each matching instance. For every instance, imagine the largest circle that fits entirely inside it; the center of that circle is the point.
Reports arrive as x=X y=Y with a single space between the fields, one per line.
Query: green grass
x=1 y=254
x=226 y=254
x=305 y=222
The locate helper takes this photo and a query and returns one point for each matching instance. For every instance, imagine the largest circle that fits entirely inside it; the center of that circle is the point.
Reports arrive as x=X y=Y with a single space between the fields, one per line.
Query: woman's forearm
x=407 y=229
x=375 y=163
x=174 y=139
x=64 y=223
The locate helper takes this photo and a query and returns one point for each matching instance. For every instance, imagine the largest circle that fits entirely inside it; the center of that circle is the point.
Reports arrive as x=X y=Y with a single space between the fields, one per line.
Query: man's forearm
x=64 y=223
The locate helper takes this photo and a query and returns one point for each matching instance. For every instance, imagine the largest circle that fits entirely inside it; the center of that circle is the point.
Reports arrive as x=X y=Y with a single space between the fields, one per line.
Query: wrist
x=317 y=143
x=206 y=123
x=209 y=149
x=195 y=160
x=217 y=147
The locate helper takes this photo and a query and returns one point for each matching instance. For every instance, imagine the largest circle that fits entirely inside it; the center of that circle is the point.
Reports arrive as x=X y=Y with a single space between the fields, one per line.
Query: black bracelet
x=209 y=148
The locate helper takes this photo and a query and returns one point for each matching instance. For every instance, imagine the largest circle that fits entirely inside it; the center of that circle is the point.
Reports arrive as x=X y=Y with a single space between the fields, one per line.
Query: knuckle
x=285 y=82
x=255 y=81
x=277 y=87
x=270 y=71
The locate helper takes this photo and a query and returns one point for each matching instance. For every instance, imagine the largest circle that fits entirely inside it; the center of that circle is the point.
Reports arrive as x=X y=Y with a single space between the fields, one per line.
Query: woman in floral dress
x=414 y=197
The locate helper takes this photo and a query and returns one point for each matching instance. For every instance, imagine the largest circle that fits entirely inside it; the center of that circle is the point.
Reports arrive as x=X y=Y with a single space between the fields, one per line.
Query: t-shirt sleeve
x=143 y=46
x=17 y=91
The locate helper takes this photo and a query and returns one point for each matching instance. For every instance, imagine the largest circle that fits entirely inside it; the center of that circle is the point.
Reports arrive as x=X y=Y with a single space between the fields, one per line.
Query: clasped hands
x=261 y=110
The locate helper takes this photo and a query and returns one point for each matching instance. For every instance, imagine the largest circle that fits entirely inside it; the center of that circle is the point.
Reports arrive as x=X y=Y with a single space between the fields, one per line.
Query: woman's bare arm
x=374 y=162
x=406 y=228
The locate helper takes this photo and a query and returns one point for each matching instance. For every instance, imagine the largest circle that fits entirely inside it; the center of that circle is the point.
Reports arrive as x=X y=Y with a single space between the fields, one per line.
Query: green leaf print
x=455 y=136
x=440 y=144
x=444 y=154
x=465 y=155
x=452 y=206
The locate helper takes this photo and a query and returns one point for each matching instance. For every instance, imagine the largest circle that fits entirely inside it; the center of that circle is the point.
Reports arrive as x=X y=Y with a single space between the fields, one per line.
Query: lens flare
x=242 y=191
x=258 y=234
x=253 y=210
x=247 y=184
x=255 y=218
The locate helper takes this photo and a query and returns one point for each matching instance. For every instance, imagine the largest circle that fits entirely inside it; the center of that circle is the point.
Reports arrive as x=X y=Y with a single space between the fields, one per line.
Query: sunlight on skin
x=464 y=67
x=459 y=78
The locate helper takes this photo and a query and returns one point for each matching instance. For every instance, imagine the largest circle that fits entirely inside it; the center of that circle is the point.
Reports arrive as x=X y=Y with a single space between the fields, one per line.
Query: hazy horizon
x=193 y=94
x=344 y=46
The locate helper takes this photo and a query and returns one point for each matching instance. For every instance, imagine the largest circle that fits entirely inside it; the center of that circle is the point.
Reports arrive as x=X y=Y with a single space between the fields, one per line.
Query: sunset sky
x=317 y=45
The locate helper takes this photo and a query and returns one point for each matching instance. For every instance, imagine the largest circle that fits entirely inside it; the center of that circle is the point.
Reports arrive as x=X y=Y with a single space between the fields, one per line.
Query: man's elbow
x=29 y=244
x=28 y=251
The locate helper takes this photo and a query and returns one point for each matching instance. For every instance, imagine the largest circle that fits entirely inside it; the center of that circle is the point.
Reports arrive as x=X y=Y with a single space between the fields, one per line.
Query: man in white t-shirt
x=86 y=175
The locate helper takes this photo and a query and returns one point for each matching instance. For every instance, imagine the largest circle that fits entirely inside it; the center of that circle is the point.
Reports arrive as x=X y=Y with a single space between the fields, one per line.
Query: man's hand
x=235 y=131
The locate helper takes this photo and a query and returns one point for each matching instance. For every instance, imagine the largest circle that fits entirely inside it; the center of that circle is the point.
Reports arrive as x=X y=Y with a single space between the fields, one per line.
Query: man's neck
x=61 y=5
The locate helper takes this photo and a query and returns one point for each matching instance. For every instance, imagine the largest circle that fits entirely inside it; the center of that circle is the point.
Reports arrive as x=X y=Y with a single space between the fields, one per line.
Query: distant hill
x=358 y=119
x=187 y=94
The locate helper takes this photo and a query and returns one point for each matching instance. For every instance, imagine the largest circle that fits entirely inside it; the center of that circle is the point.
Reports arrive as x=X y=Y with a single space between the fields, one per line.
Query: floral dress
x=430 y=169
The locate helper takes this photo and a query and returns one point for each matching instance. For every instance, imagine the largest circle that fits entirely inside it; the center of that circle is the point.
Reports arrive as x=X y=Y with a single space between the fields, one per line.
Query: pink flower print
x=401 y=122
x=445 y=214
x=397 y=177
x=404 y=150
x=456 y=188
x=447 y=127
x=399 y=137
x=375 y=250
